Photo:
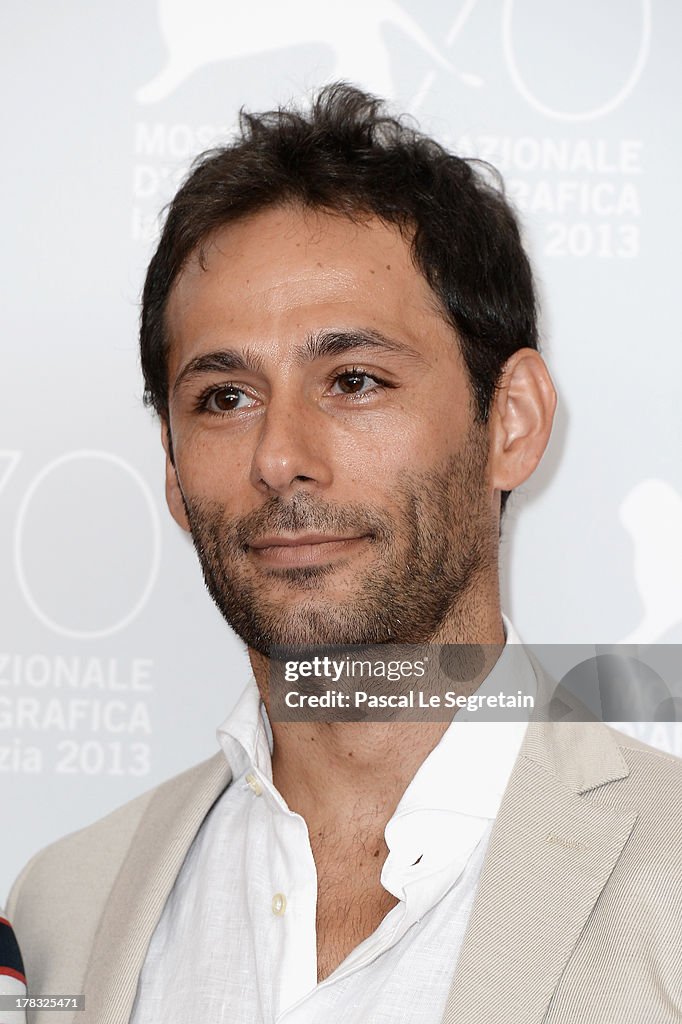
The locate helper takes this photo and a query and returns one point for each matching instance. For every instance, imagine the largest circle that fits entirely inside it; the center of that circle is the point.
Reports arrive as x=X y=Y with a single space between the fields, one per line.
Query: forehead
x=285 y=271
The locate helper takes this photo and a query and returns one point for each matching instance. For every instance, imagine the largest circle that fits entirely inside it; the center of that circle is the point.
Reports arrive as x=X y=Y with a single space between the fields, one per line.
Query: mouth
x=304 y=548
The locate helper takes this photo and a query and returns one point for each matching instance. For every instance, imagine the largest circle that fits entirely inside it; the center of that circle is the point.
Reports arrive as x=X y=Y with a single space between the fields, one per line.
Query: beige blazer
x=577 y=918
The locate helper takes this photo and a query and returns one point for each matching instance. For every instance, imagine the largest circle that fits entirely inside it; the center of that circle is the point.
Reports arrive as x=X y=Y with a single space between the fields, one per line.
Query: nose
x=290 y=453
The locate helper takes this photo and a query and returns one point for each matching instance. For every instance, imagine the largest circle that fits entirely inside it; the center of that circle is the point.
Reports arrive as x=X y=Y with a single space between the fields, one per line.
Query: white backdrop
x=114 y=667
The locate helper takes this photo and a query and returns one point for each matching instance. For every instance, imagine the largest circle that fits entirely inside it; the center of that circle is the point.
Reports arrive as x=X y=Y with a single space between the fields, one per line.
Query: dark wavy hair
x=346 y=154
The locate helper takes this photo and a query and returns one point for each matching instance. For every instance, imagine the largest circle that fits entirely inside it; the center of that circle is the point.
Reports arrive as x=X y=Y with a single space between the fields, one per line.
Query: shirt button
x=279 y=903
x=254 y=784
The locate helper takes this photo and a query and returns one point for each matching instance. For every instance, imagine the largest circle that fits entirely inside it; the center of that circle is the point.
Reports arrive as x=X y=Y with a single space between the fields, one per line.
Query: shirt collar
x=246 y=735
x=457 y=790
x=468 y=770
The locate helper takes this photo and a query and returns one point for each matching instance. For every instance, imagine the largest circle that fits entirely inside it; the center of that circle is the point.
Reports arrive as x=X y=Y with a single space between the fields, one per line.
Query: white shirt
x=236 y=941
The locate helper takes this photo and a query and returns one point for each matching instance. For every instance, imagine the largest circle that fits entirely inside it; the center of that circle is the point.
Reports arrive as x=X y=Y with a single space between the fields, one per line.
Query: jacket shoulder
x=58 y=901
x=67 y=872
x=650 y=765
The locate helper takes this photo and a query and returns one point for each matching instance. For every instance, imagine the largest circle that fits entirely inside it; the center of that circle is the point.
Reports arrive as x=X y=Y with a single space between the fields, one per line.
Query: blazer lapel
x=550 y=854
x=144 y=882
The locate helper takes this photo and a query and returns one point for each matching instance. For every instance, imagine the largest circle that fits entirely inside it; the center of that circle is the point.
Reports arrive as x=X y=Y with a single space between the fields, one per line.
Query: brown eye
x=352 y=383
x=227 y=399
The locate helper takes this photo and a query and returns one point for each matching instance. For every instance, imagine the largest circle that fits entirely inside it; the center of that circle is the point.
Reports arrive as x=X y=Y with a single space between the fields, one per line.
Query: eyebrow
x=337 y=342
x=319 y=345
x=221 y=361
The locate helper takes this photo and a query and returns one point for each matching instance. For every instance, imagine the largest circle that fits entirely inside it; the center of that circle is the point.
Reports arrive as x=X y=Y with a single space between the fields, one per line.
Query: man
x=338 y=333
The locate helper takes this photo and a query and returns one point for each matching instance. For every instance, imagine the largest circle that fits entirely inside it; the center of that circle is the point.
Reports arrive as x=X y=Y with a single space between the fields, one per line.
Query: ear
x=174 y=498
x=521 y=419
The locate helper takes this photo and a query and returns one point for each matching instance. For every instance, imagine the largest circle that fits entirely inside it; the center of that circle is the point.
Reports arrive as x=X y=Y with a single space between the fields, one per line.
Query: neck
x=331 y=772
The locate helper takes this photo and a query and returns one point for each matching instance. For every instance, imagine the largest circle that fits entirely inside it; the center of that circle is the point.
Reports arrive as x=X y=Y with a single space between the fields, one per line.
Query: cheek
x=213 y=472
x=414 y=438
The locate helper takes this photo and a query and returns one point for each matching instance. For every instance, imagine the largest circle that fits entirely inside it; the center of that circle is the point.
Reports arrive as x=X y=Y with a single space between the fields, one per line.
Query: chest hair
x=351 y=902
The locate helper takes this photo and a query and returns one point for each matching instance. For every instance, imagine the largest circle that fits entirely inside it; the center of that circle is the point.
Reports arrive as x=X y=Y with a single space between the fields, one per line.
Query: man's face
x=326 y=456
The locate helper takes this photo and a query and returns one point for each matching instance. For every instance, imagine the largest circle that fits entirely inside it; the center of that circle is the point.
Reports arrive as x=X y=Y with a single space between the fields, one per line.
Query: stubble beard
x=420 y=571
